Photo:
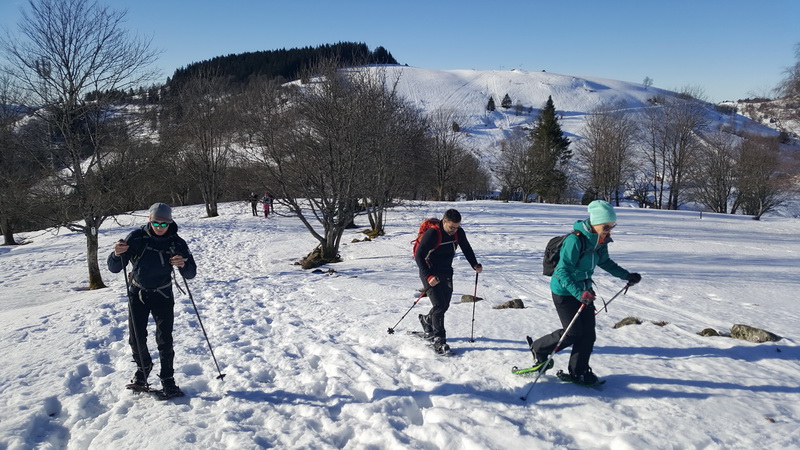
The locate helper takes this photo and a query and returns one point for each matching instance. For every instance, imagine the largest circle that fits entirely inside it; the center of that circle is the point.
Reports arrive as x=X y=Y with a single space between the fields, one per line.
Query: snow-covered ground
x=309 y=362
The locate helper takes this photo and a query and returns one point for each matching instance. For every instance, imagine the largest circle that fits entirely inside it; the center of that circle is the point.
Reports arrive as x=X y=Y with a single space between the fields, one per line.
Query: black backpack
x=552 y=253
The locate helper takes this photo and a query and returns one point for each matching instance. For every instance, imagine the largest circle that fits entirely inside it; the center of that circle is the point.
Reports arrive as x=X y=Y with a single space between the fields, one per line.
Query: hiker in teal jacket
x=580 y=254
x=571 y=285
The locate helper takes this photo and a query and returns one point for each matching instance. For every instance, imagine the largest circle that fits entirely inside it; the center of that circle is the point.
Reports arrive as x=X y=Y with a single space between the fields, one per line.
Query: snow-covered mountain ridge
x=468 y=93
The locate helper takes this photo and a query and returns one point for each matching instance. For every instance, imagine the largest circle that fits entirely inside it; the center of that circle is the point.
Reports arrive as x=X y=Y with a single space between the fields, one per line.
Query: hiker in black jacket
x=434 y=257
x=153 y=250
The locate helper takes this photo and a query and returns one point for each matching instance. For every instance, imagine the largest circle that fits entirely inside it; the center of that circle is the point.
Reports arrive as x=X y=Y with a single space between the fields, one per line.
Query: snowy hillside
x=309 y=363
x=468 y=92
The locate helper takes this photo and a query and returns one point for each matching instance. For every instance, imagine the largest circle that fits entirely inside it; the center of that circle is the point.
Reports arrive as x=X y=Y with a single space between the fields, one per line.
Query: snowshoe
x=440 y=347
x=169 y=392
x=441 y=350
x=587 y=379
x=137 y=387
x=422 y=335
x=536 y=368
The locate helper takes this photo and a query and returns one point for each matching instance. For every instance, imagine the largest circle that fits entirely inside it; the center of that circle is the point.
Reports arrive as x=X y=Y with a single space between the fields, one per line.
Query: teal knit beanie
x=600 y=211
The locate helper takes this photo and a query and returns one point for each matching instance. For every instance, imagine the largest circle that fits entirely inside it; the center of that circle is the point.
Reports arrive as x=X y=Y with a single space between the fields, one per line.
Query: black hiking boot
x=587 y=378
x=440 y=346
x=169 y=389
x=138 y=382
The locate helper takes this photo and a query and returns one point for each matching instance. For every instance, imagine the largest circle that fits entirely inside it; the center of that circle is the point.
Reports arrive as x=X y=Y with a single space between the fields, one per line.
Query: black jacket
x=150 y=254
x=438 y=261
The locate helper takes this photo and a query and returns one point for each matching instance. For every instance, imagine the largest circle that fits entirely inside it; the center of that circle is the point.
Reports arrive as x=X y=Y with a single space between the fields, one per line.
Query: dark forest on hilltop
x=282 y=64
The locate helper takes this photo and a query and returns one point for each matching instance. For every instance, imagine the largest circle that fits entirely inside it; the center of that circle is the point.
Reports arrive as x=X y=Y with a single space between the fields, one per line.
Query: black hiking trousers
x=581 y=336
x=142 y=304
x=440 y=300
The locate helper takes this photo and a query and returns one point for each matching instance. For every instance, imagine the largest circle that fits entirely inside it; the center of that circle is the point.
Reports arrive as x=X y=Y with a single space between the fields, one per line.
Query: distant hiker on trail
x=254 y=203
x=434 y=256
x=571 y=286
x=153 y=250
x=267 y=200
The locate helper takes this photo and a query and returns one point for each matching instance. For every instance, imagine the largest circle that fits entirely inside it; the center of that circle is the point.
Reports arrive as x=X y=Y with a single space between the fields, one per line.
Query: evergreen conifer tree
x=549 y=150
x=506 y=103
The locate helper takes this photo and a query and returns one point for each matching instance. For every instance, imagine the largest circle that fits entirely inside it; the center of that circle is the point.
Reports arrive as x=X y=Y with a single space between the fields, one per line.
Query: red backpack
x=427 y=224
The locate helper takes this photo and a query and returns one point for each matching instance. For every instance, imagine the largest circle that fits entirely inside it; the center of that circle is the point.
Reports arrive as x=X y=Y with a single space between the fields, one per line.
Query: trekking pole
x=606 y=303
x=474 y=300
x=200 y=321
x=132 y=319
x=391 y=329
x=558 y=346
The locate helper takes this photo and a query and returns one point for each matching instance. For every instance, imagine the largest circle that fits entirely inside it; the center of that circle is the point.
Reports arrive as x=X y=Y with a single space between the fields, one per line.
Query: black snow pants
x=581 y=336
x=159 y=303
x=440 y=300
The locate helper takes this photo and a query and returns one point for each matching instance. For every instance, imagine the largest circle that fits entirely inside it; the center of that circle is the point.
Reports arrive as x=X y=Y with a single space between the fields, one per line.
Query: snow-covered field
x=309 y=362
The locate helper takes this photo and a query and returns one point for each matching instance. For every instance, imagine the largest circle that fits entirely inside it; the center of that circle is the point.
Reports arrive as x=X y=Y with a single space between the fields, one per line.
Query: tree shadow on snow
x=483 y=344
x=622 y=386
x=423 y=397
x=285 y=397
x=752 y=353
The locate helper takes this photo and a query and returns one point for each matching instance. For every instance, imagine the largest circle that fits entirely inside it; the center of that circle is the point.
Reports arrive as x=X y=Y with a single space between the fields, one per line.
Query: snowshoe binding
x=538 y=363
x=539 y=366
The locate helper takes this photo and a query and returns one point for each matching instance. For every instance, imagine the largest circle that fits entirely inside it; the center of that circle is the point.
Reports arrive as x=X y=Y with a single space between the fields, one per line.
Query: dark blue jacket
x=432 y=260
x=149 y=255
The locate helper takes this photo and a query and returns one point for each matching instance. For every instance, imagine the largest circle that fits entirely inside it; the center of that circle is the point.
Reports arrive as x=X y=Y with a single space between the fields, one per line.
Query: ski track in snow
x=309 y=364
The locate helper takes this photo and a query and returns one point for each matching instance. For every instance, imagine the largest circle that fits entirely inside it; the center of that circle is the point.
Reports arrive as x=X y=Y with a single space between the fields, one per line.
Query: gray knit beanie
x=161 y=212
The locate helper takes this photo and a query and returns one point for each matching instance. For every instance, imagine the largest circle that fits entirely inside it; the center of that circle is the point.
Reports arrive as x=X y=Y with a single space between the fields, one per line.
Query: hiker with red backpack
x=573 y=295
x=434 y=251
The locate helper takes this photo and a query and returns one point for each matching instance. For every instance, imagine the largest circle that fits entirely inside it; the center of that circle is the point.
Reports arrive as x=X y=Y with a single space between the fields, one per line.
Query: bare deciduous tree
x=200 y=132
x=789 y=88
x=760 y=187
x=394 y=137
x=606 y=150
x=516 y=171
x=314 y=151
x=446 y=149
x=714 y=173
x=16 y=172
x=66 y=49
x=670 y=142
x=474 y=180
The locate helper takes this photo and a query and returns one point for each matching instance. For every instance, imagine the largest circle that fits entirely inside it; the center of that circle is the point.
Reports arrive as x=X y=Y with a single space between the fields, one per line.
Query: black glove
x=633 y=278
x=587 y=297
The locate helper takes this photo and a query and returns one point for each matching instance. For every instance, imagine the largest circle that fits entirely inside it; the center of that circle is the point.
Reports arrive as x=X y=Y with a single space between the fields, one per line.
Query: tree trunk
x=95 y=278
x=8 y=234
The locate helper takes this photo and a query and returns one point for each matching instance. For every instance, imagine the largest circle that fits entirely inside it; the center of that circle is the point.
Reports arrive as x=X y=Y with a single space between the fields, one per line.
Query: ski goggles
x=159 y=224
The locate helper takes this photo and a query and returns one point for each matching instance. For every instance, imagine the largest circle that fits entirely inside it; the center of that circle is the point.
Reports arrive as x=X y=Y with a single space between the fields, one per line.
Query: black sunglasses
x=609 y=227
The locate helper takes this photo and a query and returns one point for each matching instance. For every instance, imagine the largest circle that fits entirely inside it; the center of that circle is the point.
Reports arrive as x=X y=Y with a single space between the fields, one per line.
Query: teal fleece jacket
x=573 y=274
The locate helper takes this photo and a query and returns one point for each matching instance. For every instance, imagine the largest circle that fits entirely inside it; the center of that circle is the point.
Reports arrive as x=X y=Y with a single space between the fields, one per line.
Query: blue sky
x=730 y=48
